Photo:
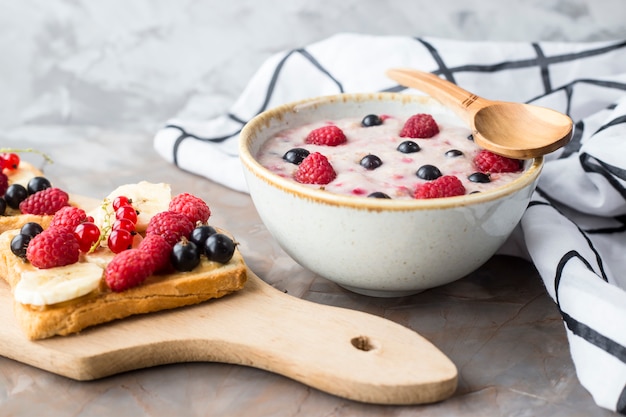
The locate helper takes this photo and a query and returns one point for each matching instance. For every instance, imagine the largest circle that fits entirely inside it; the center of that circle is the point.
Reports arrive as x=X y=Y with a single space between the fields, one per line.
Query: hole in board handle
x=363 y=343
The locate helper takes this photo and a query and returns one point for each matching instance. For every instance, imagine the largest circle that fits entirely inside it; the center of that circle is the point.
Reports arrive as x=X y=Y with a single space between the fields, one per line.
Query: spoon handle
x=464 y=103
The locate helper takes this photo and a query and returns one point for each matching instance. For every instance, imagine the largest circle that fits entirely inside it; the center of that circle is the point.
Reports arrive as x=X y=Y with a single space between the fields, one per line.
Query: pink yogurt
x=396 y=177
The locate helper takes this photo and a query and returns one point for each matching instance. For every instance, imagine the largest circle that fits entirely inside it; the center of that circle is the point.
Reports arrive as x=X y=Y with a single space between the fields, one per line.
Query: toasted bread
x=13 y=219
x=159 y=292
x=101 y=305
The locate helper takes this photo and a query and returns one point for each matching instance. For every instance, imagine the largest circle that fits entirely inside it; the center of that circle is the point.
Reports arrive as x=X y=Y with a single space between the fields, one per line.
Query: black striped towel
x=574 y=230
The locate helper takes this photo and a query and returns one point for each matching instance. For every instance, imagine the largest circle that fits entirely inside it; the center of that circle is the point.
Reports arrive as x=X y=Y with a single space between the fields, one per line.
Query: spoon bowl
x=515 y=130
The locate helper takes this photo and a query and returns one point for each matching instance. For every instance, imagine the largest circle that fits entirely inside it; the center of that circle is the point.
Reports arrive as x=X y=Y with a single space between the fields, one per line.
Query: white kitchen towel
x=574 y=229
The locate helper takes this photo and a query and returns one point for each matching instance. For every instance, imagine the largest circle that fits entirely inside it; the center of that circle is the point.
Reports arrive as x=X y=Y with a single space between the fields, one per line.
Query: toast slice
x=13 y=219
x=102 y=305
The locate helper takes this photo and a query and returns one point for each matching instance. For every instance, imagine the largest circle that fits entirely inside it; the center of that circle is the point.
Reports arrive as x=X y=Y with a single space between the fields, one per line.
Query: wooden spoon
x=515 y=130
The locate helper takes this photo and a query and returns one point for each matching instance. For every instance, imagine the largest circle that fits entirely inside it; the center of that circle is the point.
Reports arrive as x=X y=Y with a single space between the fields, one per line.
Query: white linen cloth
x=574 y=229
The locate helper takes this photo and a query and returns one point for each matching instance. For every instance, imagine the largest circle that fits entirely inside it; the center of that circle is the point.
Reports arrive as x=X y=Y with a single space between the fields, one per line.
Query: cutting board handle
x=344 y=352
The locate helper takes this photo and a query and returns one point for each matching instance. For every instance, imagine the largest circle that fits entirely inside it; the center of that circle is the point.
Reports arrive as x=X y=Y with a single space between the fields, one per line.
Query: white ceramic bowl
x=372 y=246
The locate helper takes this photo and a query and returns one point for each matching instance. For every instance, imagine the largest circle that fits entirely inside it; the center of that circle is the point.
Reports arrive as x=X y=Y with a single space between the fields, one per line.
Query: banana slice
x=50 y=286
x=147 y=198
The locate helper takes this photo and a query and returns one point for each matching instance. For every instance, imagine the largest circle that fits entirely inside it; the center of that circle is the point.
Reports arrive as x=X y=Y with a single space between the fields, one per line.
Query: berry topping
x=68 y=217
x=490 y=162
x=446 y=186
x=4 y=183
x=428 y=172
x=10 y=161
x=378 y=194
x=31 y=229
x=420 y=125
x=124 y=224
x=200 y=234
x=453 y=153
x=371 y=120
x=87 y=234
x=315 y=169
x=15 y=194
x=219 y=248
x=329 y=135
x=48 y=201
x=53 y=247
x=408 y=146
x=126 y=212
x=480 y=177
x=172 y=226
x=296 y=155
x=194 y=208
x=3 y=206
x=371 y=162
x=185 y=255
x=128 y=269
x=120 y=240
x=37 y=184
x=159 y=250
x=19 y=244
x=121 y=200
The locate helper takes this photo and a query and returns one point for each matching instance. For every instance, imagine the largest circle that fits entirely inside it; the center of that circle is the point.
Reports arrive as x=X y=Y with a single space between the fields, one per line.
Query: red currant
x=120 y=201
x=123 y=224
x=10 y=160
x=87 y=234
x=126 y=212
x=120 y=240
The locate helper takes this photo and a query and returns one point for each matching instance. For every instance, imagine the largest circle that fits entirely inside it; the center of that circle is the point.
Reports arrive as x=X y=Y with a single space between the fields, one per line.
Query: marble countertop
x=89 y=83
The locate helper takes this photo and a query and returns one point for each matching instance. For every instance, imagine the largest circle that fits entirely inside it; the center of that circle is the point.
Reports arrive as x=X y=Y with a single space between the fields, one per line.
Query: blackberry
x=295 y=155
x=371 y=162
x=378 y=194
x=14 y=195
x=200 y=234
x=371 y=120
x=480 y=177
x=19 y=244
x=428 y=172
x=185 y=256
x=408 y=146
x=37 y=184
x=31 y=229
x=3 y=206
x=453 y=153
x=219 y=248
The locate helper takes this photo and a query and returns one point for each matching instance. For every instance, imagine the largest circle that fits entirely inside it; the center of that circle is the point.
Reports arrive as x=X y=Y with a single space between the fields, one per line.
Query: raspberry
x=159 y=250
x=191 y=206
x=53 y=247
x=68 y=217
x=419 y=125
x=128 y=269
x=315 y=169
x=445 y=186
x=329 y=135
x=47 y=201
x=4 y=183
x=172 y=226
x=489 y=162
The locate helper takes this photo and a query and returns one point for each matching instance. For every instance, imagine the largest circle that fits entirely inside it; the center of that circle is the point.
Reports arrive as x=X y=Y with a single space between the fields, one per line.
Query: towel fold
x=574 y=230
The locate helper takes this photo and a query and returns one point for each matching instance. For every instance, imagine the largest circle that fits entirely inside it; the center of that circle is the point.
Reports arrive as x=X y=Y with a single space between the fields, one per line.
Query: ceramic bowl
x=372 y=246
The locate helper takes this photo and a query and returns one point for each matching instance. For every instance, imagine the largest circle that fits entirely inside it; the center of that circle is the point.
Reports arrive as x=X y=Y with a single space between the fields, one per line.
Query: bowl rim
x=319 y=195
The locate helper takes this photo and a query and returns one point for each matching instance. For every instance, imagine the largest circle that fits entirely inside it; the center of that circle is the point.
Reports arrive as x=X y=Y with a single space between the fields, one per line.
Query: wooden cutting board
x=340 y=351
